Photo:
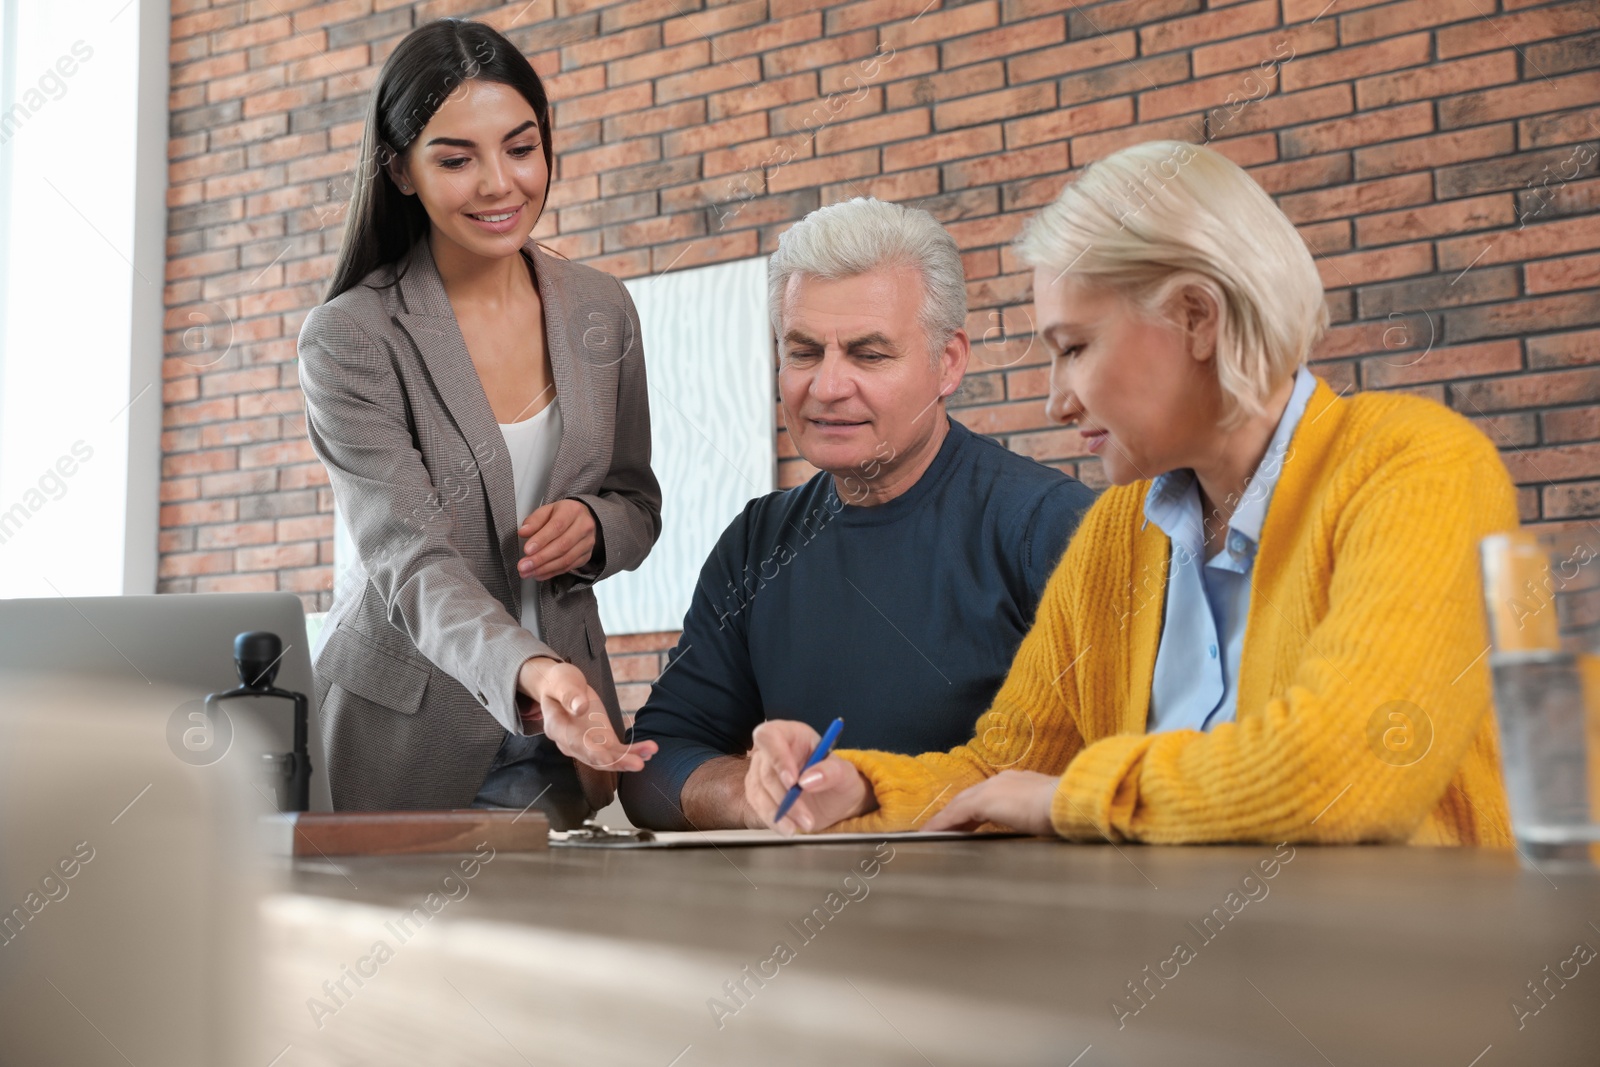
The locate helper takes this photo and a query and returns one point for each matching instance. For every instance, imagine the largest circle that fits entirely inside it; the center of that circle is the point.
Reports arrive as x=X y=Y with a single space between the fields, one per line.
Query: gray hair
x=860 y=235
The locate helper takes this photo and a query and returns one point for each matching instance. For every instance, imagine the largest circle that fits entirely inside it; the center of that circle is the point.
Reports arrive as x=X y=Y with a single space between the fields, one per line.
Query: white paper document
x=587 y=838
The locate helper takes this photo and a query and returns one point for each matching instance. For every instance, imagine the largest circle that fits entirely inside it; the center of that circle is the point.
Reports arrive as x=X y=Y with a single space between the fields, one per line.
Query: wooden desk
x=1002 y=952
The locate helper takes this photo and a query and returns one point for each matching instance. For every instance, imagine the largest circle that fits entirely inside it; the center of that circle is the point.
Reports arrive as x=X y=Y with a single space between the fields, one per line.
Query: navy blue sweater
x=903 y=617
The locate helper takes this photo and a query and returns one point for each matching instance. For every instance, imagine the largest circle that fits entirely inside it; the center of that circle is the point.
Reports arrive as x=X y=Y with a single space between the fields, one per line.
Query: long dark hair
x=415 y=81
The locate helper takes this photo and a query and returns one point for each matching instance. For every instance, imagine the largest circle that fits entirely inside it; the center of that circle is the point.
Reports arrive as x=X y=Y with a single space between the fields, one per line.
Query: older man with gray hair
x=893 y=587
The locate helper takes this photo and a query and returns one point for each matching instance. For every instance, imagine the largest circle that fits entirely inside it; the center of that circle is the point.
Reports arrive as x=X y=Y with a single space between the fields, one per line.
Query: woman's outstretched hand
x=571 y=714
x=1018 y=799
x=832 y=790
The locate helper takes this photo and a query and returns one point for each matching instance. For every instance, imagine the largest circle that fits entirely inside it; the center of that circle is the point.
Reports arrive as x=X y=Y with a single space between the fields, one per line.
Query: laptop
x=182 y=642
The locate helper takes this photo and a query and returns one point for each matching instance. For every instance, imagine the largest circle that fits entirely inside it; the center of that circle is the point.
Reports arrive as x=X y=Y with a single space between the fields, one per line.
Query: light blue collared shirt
x=1196 y=684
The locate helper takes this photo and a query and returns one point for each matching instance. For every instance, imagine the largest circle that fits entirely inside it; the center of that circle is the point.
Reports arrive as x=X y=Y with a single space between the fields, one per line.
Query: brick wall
x=1440 y=157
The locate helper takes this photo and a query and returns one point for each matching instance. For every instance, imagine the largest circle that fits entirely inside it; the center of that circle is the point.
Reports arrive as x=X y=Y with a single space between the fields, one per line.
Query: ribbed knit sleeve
x=1383 y=603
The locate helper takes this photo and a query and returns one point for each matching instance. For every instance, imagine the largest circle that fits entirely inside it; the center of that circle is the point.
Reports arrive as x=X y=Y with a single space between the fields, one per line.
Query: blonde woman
x=1270 y=627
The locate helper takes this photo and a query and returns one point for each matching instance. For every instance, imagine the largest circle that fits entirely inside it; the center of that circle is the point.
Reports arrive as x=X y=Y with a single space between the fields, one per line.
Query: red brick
x=1438 y=79
x=809 y=116
x=878 y=68
x=1097 y=51
x=1524 y=316
x=1105 y=17
x=1570 y=424
x=941 y=25
x=1093 y=146
x=807 y=173
x=744 y=72
x=1558 y=275
x=308 y=18
x=758 y=156
x=625 y=644
x=654 y=231
x=1544 y=130
x=1250 y=151
x=1392 y=19
x=621 y=16
x=1305 y=10
x=950 y=85
x=994 y=107
x=588 y=56
x=716 y=20
x=1492 y=31
x=658 y=64
x=1425 y=153
x=1513 y=101
x=574 y=83
x=766 y=36
x=1296 y=175
x=610 y=157
x=1066 y=122
x=1531 y=390
x=1211 y=26
x=1441 y=364
x=903 y=187
x=1359 y=268
x=880 y=130
x=1530 y=242
x=1043 y=159
x=818 y=53
x=735 y=130
x=1272 y=112
x=1282 y=45
x=202 y=71
x=677 y=116
x=860 y=16
x=1361 y=198
x=939 y=148
x=774 y=92
x=628 y=98
x=1347 y=63
x=704 y=250
x=1564 y=350
x=1120 y=79
x=1192 y=96
x=1375 y=127
x=1005 y=41
x=1570 y=500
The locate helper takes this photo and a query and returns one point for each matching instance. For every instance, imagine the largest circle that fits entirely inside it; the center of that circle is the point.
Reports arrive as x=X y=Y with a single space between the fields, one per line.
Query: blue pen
x=819 y=754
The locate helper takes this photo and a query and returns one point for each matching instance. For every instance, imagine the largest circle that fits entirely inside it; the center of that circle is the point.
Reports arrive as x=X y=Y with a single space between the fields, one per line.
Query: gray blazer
x=417 y=663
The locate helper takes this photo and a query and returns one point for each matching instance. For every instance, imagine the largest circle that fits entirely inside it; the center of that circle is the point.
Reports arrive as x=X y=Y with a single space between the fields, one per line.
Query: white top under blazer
x=531 y=445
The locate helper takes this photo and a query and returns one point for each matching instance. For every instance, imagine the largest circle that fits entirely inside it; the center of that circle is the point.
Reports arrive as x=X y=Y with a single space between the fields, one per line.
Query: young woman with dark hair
x=480 y=407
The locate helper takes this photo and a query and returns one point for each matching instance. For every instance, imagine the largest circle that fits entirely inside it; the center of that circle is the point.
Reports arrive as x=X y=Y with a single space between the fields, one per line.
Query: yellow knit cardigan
x=1365 y=601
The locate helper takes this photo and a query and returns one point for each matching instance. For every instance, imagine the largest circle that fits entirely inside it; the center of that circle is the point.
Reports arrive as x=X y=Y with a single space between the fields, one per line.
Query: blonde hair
x=1154 y=218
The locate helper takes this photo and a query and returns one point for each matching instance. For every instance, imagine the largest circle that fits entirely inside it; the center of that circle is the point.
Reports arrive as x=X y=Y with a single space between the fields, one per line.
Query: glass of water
x=1542 y=592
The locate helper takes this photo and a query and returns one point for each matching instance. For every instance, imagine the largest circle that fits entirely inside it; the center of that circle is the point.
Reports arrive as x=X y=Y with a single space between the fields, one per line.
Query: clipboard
x=595 y=836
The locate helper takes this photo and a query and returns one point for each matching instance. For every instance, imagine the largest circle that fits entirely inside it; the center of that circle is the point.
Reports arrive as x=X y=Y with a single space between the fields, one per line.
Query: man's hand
x=572 y=716
x=833 y=789
x=1018 y=799
x=560 y=537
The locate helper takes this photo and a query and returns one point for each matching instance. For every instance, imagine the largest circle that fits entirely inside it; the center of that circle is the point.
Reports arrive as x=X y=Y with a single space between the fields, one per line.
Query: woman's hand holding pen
x=559 y=537
x=831 y=790
x=572 y=715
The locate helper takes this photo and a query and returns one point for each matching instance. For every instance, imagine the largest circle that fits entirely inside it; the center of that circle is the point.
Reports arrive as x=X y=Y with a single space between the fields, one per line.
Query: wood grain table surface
x=1016 y=951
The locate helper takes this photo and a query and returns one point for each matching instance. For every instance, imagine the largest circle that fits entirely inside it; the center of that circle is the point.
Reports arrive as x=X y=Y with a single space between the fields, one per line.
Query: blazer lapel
x=431 y=325
x=575 y=422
